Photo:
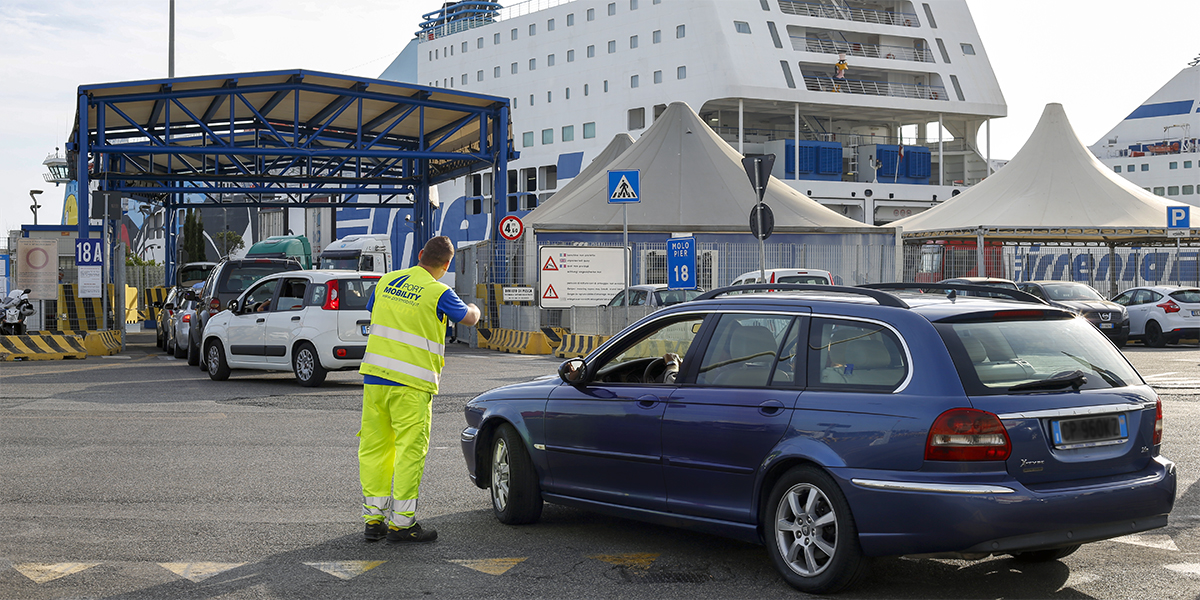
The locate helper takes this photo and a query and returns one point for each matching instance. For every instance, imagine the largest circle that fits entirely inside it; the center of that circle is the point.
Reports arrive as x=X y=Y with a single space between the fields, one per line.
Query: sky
x=1098 y=58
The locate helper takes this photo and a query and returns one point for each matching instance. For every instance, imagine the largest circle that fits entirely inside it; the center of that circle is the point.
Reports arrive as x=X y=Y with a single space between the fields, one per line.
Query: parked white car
x=804 y=276
x=309 y=322
x=1163 y=314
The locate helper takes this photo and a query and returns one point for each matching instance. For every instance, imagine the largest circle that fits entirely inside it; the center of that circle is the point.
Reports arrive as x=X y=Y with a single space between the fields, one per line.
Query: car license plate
x=366 y=329
x=1196 y=313
x=1090 y=431
x=1106 y=326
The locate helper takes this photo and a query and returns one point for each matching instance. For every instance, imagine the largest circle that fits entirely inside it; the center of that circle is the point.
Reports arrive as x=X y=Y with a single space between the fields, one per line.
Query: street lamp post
x=33 y=195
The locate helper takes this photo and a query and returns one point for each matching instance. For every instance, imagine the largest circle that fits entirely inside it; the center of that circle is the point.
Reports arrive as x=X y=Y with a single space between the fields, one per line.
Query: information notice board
x=579 y=276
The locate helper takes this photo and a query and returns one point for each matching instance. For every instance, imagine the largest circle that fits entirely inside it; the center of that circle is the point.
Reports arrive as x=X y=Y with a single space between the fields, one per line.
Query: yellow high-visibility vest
x=408 y=340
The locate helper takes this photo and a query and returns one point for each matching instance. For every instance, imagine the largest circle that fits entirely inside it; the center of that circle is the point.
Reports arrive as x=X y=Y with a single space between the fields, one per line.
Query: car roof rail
x=953 y=288
x=883 y=298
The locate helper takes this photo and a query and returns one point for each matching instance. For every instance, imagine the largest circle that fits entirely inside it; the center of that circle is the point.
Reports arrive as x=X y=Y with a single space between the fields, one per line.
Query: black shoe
x=414 y=534
x=375 y=531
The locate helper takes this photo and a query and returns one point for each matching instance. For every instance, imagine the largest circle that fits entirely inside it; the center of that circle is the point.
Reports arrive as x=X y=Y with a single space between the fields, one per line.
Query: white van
x=364 y=252
x=805 y=276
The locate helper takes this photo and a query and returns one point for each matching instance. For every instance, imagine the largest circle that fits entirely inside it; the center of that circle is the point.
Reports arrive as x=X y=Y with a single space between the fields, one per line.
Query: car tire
x=516 y=495
x=810 y=532
x=193 y=352
x=159 y=337
x=1154 y=335
x=176 y=350
x=218 y=366
x=1045 y=555
x=306 y=364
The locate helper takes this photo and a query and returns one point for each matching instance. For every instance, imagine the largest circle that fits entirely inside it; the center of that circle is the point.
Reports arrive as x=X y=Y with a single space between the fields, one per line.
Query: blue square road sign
x=1178 y=217
x=681 y=263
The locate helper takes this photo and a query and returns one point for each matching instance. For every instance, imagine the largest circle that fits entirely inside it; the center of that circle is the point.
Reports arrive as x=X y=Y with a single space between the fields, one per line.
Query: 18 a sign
x=89 y=253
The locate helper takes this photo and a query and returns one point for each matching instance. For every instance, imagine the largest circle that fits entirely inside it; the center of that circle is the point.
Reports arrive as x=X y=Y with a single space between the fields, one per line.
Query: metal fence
x=845 y=13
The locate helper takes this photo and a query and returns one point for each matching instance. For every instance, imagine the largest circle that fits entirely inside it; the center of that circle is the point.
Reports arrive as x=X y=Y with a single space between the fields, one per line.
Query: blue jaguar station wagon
x=834 y=424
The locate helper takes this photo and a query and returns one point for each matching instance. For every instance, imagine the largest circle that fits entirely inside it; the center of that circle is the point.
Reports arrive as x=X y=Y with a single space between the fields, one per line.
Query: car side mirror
x=233 y=306
x=190 y=295
x=167 y=306
x=572 y=371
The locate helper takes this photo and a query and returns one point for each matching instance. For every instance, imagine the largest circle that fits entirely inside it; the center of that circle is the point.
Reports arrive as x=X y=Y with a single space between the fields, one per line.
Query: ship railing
x=846 y=13
x=1154 y=148
x=875 y=88
x=529 y=6
x=440 y=26
x=862 y=50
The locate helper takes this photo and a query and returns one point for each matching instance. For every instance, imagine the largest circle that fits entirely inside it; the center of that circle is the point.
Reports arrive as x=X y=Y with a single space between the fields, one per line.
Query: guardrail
x=846 y=13
x=875 y=88
x=863 y=50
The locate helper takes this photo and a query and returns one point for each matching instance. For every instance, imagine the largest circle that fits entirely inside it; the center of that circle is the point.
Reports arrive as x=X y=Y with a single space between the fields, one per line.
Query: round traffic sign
x=511 y=227
x=768 y=221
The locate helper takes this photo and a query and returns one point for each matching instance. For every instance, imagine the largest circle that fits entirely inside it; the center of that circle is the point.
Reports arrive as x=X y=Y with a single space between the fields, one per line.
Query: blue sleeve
x=371 y=300
x=452 y=306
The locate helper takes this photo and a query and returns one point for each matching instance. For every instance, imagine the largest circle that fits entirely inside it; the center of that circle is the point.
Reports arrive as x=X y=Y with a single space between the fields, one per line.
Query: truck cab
x=367 y=252
x=295 y=247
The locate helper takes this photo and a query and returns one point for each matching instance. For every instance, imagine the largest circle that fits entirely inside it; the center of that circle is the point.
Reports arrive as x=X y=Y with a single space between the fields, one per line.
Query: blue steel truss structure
x=284 y=138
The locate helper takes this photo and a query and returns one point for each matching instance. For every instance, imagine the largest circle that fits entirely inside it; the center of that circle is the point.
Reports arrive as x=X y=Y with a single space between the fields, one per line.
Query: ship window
x=787 y=74
x=513 y=68
x=589 y=130
x=585 y=89
x=531 y=99
x=495 y=38
x=957 y=87
x=550 y=25
x=605 y=86
x=495 y=72
x=632 y=4
x=765 y=5
x=942 y=47
x=570 y=56
x=612 y=46
x=637 y=118
x=533 y=29
x=479 y=75
x=513 y=34
x=591 y=14
x=1158 y=191
x=633 y=41
x=464 y=46
x=549 y=96
x=550 y=60
x=612 y=8
x=437 y=53
x=530 y=177
x=633 y=81
x=1173 y=190
x=568 y=133
x=1129 y=169
x=658 y=77
x=464 y=79
x=567 y=93
x=527 y=139
x=533 y=64
x=656 y=37
x=591 y=52
x=547 y=136
x=657 y=2
x=681 y=73
x=548 y=177
x=1117 y=169
x=1187 y=164
x=929 y=15
x=680 y=31
x=659 y=109
x=968 y=49
x=479 y=43
x=1173 y=165
x=1187 y=190
x=774 y=34
x=571 y=20
x=1145 y=167
x=741 y=27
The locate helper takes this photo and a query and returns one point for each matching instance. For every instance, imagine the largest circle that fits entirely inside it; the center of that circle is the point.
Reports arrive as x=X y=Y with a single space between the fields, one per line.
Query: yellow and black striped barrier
x=579 y=344
x=555 y=335
x=95 y=343
x=41 y=346
x=84 y=314
x=513 y=341
x=151 y=296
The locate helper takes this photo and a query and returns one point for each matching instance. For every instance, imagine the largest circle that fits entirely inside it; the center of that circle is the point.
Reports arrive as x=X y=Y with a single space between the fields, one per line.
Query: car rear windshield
x=1188 y=296
x=805 y=279
x=994 y=356
x=189 y=275
x=356 y=292
x=669 y=297
x=240 y=277
x=1068 y=292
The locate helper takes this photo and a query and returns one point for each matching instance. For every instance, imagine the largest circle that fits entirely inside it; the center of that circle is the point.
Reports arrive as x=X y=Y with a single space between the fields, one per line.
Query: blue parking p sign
x=681 y=263
x=1178 y=217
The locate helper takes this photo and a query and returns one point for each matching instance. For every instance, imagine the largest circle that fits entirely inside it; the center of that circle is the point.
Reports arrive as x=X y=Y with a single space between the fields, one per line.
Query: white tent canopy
x=1054 y=189
x=690 y=180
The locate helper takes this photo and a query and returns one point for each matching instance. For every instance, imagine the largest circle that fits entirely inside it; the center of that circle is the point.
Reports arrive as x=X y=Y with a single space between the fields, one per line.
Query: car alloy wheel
x=516 y=495
x=806 y=530
x=307 y=366
x=500 y=475
x=815 y=541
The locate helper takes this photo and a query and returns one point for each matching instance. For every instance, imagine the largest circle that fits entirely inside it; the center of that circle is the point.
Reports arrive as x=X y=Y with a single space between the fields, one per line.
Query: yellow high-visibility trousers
x=392 y=446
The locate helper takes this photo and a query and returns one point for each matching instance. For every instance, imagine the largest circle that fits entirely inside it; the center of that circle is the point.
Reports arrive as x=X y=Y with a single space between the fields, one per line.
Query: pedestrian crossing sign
x=623 y=187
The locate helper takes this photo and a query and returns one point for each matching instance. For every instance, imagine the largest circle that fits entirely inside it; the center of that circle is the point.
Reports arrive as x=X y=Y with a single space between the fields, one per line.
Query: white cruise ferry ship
x=1156 y=145
x=761 y=73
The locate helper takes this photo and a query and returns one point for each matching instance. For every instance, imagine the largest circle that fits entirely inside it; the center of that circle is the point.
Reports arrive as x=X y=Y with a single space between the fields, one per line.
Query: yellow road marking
x=43 y=572
x=640 y=561
x=491 y=566
x=199 y=571
x=346 y=569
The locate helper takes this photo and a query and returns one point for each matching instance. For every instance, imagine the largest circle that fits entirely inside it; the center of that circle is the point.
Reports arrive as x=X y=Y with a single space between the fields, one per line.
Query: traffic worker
x=410 y=310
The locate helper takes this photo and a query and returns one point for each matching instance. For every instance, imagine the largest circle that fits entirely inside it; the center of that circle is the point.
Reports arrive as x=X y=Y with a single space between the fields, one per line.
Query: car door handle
x=260 y=320
x=295 y=318
x=647 y=402
x=770 y=408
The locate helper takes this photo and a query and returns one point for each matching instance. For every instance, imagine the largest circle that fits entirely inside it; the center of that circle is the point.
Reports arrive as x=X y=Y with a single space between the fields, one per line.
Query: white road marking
x=346 y=569
x=199 y=571
x=1160 y=541
x=491 y=566
x=1186 y=568
x=43 y=572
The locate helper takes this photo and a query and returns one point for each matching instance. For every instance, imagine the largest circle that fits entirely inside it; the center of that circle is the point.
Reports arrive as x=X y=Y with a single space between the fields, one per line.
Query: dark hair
x=437 y=252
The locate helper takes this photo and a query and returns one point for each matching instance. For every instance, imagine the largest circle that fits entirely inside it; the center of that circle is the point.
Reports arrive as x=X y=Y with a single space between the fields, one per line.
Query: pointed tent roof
x=691 y=180
x=619 y=143
x=1054 y=189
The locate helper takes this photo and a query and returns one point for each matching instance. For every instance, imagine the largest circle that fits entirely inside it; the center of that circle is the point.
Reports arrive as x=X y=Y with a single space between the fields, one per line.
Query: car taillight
x=331 y=295
x=214 y=304
x=339 y=352
x=1158 y=424
x=187 y=318
x=967 y=434
x=1169 y=306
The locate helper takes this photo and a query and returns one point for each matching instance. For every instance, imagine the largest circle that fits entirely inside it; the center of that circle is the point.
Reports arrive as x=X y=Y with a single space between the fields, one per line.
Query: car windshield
x=339 y=262
x=243 y=276
x=1070 y=292
x=1189 y=296
x=669 y=297
x=994 y=356
x=805 y=279
x=190 y=275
